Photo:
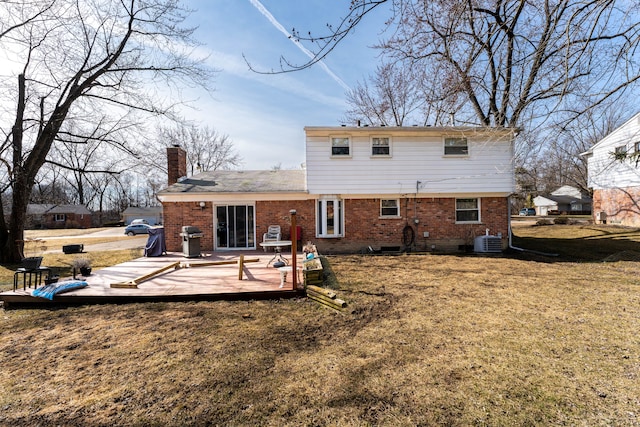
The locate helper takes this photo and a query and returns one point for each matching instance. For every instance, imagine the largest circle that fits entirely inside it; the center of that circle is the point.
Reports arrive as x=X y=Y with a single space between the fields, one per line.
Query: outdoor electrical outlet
x=425 y=234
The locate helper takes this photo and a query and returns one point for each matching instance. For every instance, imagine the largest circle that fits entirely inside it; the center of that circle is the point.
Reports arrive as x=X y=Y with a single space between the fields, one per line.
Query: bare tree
x=78 y=57
x=513 y=61
x=207 y=150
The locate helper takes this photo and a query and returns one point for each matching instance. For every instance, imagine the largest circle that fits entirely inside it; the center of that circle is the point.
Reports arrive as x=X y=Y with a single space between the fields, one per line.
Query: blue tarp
x=53 y=289
x=155 y=243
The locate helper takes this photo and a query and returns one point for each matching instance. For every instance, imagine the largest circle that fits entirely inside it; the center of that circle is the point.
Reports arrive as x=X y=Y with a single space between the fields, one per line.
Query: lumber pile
x=313 y=272
x=325 y=297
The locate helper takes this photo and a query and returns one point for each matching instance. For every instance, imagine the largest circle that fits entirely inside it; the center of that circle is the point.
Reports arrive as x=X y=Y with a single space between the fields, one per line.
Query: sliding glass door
x=235 y=227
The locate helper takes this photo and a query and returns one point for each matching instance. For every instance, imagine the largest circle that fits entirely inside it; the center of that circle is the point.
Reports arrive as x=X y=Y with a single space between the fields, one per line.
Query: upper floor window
x=380 y=146
x=621 y=149
x=636 y=147
x=467 y=210
x=456 y=146
x=340 y=146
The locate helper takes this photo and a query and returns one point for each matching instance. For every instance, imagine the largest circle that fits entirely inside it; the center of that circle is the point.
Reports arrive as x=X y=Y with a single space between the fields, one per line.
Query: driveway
x=126 y=242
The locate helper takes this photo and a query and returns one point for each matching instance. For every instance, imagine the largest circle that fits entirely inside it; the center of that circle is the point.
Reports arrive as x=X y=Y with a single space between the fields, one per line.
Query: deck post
x=240 y=267
x=294 y=249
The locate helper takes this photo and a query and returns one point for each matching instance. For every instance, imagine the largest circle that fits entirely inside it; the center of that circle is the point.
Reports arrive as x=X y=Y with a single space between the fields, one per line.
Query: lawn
x=519 y=339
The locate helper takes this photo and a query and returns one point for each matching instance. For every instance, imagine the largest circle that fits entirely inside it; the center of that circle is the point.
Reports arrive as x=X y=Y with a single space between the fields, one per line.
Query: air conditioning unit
x=601 y=217
x=487 y=244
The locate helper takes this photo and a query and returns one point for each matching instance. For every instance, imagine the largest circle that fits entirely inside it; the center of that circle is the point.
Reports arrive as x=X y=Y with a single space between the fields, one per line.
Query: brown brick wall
x=622 y=206
x=71 y=221
x=177 y=215
x=277 y=213
x=363 y=226
x=176 y=164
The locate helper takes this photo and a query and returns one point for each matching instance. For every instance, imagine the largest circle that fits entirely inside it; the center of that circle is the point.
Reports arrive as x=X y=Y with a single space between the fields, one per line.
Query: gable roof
x=257 y=181
x=137 y=210
x=39 y=208
x=611 y=135
x=70 y=209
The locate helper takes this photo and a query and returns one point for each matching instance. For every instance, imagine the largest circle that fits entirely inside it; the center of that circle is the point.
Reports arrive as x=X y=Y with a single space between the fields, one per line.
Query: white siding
x=604 y=170
x=415 y=157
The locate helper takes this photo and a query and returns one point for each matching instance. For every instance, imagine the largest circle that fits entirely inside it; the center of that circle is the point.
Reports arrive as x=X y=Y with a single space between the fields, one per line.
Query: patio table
x=277 y=246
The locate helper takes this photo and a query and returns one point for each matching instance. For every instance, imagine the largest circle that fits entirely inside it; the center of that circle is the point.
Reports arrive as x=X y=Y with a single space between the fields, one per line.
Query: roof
x=261 y=181
x=422 y=130
x=564 y=200
x=589 y=152
x=136 y=210
x=39 y=208
x=70 y=209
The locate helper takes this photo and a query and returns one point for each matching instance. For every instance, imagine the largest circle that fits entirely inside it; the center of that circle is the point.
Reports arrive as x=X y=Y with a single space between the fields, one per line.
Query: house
x=614 y=175
x=564 y=200
x=45 y=215
x=68 y=216
x=36 y=214
x=151 y=214
x=418 y=188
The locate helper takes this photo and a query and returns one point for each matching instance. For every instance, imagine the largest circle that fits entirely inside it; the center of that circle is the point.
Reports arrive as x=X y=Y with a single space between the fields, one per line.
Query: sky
x=265 y=115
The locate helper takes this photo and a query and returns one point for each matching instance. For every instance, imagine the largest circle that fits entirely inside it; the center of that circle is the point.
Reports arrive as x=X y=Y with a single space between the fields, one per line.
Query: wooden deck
x=189 y=282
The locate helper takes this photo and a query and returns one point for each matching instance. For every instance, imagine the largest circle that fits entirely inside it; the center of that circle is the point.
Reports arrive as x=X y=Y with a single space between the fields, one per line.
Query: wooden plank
x=321 y=291
x=123 y=285
x=240 y=266
x=212 y=263
x=337 y=303
x=133 y=283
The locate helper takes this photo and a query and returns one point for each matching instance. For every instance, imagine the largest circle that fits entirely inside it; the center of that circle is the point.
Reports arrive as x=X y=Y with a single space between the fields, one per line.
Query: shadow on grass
x=586 y=244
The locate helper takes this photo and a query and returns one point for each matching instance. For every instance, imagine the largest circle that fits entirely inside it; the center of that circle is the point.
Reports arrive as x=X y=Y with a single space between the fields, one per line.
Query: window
x=59 y=217
x=390 y=207
x=340 y=147
x=380 y=146
x=636 y=147
x=329 y=218
x=456 y=147
x=621 y=149
x=467 y=210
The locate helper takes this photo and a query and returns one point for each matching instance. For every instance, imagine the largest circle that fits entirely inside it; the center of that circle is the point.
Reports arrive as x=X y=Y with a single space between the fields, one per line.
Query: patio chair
x=273 y=234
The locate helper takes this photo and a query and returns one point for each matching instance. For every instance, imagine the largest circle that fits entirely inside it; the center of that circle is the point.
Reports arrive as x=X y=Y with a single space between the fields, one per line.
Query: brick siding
x=363 y=225
x=622 y=206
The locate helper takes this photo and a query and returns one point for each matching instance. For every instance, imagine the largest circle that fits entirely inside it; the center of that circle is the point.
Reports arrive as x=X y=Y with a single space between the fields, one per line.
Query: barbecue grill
x=191 y=237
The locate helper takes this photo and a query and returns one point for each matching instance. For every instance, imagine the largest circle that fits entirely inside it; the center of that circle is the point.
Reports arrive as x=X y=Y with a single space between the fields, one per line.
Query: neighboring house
x=615 y=182
x=564 y=200
x=35 y=214
x=67 y=216
x=424 y=188
x=153 y=214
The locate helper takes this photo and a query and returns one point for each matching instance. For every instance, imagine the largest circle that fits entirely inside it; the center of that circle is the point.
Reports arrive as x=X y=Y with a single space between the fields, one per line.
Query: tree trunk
x=14 y=239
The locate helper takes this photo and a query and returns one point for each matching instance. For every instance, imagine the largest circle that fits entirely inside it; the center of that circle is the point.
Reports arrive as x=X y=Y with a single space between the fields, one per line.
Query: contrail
x=279 y=27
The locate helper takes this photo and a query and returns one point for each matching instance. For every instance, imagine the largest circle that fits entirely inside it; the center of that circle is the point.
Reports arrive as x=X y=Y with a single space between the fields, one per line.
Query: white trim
x=398 y=215
x=340 y=156
x=321 y=205
x=478 y=208
x=381 y=156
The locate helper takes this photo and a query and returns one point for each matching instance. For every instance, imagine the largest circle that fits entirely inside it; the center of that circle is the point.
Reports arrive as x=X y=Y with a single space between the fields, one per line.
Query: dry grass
x=60 y=263
x=427 y=340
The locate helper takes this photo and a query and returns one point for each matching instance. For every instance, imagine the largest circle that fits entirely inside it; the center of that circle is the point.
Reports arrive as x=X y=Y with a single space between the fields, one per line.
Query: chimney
x=176 y=163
